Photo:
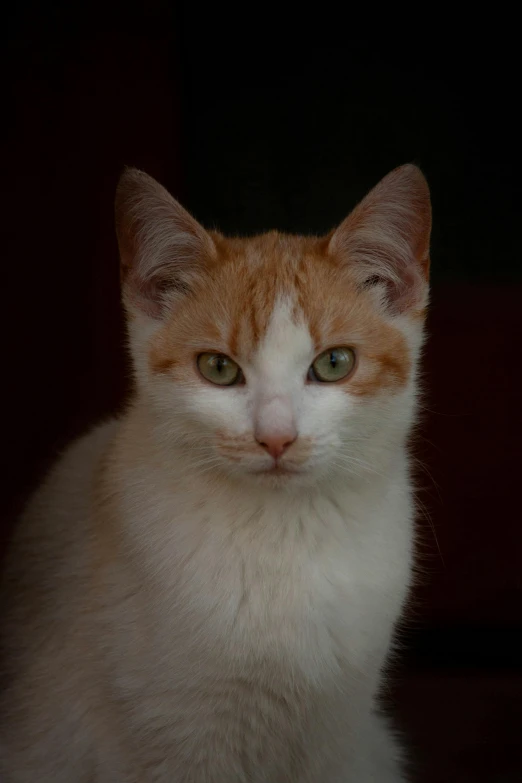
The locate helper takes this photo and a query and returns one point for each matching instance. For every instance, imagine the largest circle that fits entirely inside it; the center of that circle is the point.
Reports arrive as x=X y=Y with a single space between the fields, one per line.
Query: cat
x=205 y=588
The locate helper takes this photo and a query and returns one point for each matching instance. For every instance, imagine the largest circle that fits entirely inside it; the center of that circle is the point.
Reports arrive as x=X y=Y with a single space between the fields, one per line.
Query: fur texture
x=181 y=604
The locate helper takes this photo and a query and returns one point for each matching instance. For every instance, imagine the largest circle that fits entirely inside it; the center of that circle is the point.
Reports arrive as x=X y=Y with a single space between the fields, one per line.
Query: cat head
x=278 y=359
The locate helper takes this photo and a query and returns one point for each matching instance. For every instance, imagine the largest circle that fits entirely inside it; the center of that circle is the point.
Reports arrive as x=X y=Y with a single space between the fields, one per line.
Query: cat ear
x=163 y=250
x=385 y=240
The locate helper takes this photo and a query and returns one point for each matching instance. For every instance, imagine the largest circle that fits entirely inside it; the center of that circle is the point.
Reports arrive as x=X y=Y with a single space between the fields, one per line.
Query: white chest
x=307 y=585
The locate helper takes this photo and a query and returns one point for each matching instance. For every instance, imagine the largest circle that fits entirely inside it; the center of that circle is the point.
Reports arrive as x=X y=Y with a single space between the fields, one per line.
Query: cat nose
x=276 y=443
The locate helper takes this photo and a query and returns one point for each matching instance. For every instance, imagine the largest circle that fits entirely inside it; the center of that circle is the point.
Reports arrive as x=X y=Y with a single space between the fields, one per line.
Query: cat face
x=280 y=360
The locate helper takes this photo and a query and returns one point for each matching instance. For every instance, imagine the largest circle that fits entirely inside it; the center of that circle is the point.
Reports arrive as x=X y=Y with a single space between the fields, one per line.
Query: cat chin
x=271 y=480
x=280 y=477
x=277 y=470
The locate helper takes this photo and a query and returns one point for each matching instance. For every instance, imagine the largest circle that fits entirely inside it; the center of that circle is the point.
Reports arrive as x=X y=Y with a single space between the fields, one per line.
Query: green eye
x=218 y=368
x=332 y=365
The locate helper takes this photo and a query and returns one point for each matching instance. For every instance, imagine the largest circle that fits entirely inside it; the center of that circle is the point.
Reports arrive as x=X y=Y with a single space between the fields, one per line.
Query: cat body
x=205 y=589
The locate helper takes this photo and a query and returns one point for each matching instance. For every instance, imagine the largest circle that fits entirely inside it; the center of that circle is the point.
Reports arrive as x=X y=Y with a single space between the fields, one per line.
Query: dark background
x=258 y=138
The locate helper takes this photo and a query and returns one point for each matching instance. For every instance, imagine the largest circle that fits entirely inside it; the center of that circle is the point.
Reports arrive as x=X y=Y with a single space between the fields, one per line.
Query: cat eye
x=219 y=369
x=332 y=365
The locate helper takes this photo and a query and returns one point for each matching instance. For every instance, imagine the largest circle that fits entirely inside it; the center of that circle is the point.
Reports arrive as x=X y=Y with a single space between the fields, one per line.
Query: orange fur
x=230 y=309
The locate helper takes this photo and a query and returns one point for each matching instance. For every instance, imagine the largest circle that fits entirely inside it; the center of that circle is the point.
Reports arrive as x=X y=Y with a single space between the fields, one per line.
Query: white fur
x=177 y=614
x=223 y=593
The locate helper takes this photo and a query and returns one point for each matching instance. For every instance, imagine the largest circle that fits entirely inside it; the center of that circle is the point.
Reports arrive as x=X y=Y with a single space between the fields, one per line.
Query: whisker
x=427 y=516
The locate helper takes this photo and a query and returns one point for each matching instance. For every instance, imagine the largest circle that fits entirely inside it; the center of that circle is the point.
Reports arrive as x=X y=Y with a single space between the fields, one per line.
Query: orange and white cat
x=204 y=590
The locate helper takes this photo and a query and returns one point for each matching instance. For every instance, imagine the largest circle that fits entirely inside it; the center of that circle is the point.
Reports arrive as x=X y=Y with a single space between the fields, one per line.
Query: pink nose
x=276 y=444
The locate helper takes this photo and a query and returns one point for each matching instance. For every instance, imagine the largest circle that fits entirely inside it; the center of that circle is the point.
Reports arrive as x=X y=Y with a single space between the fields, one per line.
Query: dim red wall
x=470 y=447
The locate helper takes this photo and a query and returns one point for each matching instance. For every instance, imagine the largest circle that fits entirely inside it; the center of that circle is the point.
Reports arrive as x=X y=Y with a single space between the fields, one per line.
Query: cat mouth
x=277 y=470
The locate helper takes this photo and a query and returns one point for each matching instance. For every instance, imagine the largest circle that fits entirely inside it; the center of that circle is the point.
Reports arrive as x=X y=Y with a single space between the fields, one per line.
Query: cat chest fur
x=301 y=584
x=266 y=620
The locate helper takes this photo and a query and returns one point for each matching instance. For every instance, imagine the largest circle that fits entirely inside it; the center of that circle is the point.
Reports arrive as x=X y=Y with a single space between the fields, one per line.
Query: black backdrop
x=294 y=141
x=255 y=138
